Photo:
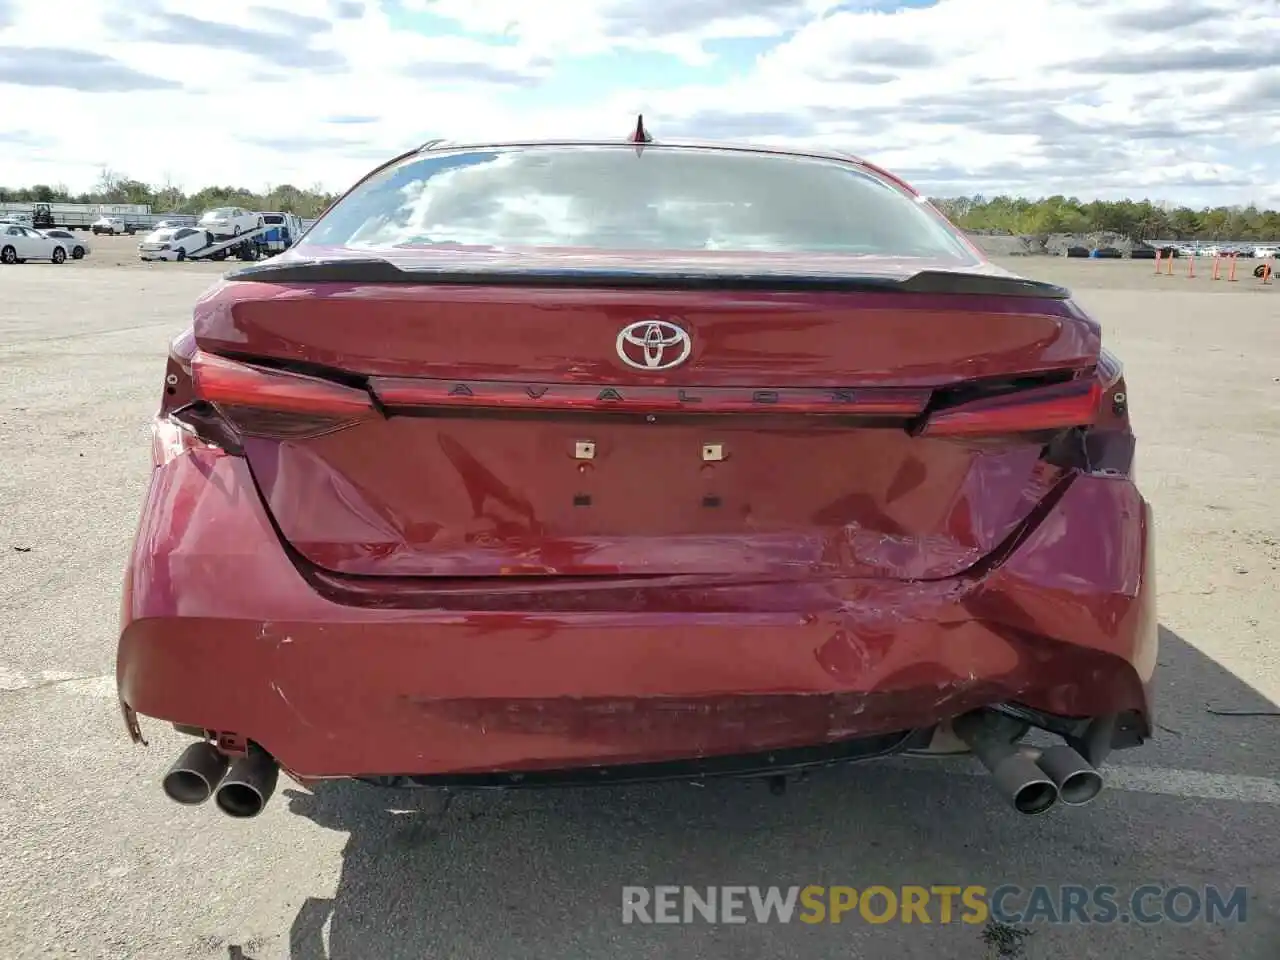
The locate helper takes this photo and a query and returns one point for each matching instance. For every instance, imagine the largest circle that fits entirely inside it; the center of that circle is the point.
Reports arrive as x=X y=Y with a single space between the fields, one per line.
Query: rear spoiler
x=376 y=270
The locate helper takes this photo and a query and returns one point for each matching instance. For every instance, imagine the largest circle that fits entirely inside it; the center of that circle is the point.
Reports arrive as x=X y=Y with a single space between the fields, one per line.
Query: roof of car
x=741 y=145
x=691 y=144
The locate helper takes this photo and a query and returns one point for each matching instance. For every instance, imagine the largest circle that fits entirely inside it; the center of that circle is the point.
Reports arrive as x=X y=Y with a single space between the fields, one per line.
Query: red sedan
x=569 y=462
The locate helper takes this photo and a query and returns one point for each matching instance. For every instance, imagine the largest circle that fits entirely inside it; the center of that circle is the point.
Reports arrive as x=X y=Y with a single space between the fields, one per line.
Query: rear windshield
x=671 y=199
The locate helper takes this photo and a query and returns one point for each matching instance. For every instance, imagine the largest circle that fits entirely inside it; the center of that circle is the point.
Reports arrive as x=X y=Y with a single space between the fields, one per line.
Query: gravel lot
x=97 y=863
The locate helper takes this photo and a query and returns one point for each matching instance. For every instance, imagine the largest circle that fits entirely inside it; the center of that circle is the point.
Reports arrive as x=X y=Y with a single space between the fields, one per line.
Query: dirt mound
x=1057 y=244
x=1054 y=245
x=1007 y=246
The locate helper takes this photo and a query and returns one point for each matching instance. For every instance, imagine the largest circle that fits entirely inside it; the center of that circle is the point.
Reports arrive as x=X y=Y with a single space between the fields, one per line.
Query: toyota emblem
x=653 y=345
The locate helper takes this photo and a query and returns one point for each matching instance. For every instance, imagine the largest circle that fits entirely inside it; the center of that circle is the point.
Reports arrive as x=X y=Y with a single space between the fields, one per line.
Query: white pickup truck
x=111 y=225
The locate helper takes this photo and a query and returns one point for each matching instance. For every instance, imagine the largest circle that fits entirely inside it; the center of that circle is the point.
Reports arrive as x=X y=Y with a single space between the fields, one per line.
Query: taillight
x=1086 y=420
x=225 y=400
x=227 y=383
x=171 y=438
x=1058 y=406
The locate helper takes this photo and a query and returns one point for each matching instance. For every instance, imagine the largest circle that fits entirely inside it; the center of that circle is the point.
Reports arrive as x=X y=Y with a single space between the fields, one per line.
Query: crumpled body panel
x=487 y=497
x=339 y=676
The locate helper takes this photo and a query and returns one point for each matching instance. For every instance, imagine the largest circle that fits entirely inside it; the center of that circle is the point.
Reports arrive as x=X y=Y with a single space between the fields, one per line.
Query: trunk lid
x=520 y=428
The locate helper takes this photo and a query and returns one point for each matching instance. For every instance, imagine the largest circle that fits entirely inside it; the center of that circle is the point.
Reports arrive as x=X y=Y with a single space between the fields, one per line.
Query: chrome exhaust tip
x=1077 y=780
x=1013 y=767
x=1025 y=785
x=195 y=774
x=248 y=785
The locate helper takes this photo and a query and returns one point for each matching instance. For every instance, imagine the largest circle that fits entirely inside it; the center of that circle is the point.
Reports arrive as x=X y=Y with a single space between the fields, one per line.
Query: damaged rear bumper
x=224 y=632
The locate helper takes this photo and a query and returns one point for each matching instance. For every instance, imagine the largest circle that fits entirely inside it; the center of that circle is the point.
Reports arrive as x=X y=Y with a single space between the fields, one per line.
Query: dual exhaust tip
x=240 y=788
x=1032 y=779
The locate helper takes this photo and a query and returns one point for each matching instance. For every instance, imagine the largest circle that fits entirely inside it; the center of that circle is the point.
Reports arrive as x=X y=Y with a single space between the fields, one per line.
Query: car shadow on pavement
x=430 y=874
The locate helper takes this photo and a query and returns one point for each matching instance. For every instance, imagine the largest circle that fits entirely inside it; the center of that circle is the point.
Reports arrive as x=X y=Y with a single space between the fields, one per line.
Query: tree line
x=1135 y=219
x=168 y=198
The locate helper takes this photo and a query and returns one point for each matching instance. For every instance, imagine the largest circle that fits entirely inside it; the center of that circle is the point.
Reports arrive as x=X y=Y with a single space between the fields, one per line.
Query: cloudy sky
x=1173 y=99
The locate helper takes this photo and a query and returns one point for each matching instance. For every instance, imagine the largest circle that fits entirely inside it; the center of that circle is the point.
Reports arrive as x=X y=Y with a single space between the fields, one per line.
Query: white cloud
x=587 y=27
x=1177 y=99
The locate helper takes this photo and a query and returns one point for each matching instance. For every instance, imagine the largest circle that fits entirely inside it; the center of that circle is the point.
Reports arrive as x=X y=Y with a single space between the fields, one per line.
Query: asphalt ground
x=97 y=863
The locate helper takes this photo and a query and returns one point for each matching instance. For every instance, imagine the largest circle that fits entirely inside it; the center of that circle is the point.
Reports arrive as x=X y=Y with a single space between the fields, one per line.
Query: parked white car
x=76 y=246
x=1263 y=253
x=229 y=221
x=19 y=244
x=110 y=225
x=173 y=243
